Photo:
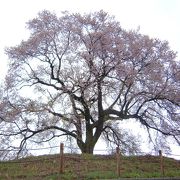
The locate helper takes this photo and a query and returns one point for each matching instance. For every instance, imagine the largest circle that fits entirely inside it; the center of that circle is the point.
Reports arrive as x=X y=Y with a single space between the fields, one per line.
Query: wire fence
x=96 y=151
x=79 y=166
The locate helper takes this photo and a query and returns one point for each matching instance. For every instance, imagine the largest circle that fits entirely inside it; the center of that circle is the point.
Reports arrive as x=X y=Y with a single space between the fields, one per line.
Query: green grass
x=87 y=167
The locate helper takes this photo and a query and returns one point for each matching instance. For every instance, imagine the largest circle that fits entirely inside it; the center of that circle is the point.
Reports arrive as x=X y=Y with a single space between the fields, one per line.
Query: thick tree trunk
x=87 y=146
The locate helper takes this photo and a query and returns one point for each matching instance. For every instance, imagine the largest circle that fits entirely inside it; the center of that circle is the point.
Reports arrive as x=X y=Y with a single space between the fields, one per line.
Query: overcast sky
x=156 y=18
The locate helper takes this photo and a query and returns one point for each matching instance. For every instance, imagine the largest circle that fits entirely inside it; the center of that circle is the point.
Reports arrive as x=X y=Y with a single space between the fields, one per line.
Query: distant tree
x=82 y=75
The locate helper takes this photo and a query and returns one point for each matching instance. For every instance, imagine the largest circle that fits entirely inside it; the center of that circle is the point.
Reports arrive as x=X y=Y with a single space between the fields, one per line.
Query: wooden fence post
x=161 y=163
x=61 y=170
x=118 y=161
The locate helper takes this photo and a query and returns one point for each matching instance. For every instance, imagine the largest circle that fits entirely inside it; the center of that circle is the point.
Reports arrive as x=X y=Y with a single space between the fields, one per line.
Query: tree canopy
x=81 y=75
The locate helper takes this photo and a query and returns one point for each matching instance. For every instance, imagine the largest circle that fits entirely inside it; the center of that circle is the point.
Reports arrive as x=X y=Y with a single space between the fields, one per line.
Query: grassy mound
x=82 y=167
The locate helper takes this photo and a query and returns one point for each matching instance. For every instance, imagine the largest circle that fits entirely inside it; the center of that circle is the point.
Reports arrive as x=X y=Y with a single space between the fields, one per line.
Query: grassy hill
x=82 y=167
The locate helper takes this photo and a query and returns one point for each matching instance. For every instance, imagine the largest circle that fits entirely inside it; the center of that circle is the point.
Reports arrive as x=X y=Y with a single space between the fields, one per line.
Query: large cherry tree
x=82 y=75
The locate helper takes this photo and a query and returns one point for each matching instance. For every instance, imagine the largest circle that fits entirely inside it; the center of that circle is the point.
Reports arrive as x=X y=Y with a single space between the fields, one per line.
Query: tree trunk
x=87 y=146
x=91 y=139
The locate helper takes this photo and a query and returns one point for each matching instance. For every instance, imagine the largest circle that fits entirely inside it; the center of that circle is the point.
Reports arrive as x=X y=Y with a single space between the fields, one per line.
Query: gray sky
x=156 y=18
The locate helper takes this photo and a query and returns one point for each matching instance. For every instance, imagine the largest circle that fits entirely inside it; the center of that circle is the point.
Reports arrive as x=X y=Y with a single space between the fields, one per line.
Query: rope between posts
x=96 y=150
x=33 y=149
